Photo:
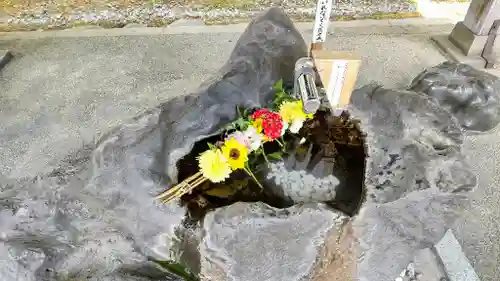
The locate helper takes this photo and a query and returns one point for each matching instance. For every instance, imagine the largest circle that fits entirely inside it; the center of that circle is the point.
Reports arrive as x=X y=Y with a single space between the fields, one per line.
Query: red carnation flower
x=272 y=125
x=260 y=113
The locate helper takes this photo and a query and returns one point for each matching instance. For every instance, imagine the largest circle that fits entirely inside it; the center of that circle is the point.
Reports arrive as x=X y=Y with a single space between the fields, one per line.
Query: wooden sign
x=338 y=72
x=323 y=11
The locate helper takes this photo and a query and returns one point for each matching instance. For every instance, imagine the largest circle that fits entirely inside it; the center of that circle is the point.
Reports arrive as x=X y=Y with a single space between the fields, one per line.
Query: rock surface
x=290 y=241
x=416 y=187
x=323 y=168
x=95 y=217
x=265 y=53
x=417 y=181
x=295 y=184
x=473 y=96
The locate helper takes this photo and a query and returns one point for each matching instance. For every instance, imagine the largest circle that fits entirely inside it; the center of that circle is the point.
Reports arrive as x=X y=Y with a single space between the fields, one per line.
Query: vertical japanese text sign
x=323 y=11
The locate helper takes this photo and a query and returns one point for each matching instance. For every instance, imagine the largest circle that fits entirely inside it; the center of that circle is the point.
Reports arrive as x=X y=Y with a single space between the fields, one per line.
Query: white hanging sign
x=336 y=82
x=323 y=11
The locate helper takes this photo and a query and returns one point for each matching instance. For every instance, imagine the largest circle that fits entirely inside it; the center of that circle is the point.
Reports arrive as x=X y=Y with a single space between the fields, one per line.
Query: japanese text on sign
x=323 y=10
x=336 y=82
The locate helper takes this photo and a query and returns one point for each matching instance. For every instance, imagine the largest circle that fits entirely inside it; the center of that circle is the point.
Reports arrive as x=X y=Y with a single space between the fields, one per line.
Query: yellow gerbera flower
x=213 y=165
x=292 y=110
x=236 y=153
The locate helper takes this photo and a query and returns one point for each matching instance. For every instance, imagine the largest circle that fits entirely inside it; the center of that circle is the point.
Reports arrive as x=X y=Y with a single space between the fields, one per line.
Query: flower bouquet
x=243 y=142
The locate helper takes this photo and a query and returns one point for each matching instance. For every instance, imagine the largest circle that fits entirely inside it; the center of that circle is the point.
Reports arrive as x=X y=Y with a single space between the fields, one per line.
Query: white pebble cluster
x=301 y=187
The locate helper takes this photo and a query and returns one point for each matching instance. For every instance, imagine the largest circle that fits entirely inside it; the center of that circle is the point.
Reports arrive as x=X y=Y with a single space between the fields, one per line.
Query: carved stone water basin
x=351 y=211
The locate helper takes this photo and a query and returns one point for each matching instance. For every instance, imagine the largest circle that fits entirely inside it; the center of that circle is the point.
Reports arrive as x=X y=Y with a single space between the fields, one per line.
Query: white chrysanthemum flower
x=254 y=138
x=241 y=138
x=285 y=127
x=296 y=125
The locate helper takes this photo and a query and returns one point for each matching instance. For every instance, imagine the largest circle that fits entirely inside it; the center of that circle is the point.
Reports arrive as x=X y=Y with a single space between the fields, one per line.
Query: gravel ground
x=52 y=14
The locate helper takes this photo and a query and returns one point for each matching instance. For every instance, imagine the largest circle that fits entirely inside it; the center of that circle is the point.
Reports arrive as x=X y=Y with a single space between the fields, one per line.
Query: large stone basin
x=95 y=218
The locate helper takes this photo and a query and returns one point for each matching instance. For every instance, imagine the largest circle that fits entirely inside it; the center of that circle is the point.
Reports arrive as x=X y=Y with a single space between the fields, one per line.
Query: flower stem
x=249 y=172
x=264 y=154
x=280 y=143
x=283 y=147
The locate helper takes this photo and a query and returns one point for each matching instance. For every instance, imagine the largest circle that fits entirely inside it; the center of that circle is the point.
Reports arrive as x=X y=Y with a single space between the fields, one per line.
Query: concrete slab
x=455 y=54
x=428 y=264
x=355 y=27
x=478 y=232
x=425 y=266
x=457 y=266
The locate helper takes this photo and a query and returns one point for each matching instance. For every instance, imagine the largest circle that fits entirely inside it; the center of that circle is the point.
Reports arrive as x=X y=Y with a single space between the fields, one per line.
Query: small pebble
x=410 y=270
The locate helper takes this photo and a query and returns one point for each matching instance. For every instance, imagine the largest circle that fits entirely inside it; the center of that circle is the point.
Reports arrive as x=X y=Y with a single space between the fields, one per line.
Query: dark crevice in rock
x=238 y=188
x=342 y=141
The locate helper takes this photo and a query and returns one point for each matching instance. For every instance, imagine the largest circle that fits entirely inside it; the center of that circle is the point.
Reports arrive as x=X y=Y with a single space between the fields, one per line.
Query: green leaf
x=279 y=85
x=211 y=146
x=275 y=156
x=177 y=269
x=242 y=112
x=281 y=97
x=229 y=127
x=245 y=112
x=241 y=124
x=239 y=121
x=239 y=111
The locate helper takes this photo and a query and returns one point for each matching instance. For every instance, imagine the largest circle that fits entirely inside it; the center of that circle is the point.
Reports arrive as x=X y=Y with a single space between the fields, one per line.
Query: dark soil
x=340 y=140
